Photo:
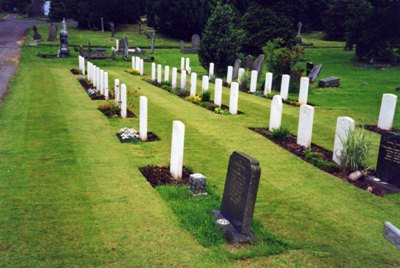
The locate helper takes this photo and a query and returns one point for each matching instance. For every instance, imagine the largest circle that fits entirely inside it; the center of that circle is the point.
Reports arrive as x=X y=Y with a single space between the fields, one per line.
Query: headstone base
x=386 y=187
x=230 y=233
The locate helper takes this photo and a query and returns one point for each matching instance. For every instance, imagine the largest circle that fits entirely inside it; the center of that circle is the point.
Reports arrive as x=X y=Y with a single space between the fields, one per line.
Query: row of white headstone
x=138 y=64
x=99 y=79
x=344 y=125
x=185 y=65
x=82 y=64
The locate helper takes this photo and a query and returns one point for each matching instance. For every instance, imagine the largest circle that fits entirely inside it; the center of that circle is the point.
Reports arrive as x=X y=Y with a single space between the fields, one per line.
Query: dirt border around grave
x=375 y=129
x=158 y=176
x=290 y=144
x=86 y=85
x=111 y=114
x=151 y=137
x=76 y=72
x=210 y=108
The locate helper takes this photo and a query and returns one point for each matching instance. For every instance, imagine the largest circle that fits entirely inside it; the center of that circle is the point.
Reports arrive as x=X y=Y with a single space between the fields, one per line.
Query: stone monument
x=239 y=198
x=112 y=28
x=36 y=34
x=298 y=37
x=388 y=166
x=64 y=52
x=52 y=32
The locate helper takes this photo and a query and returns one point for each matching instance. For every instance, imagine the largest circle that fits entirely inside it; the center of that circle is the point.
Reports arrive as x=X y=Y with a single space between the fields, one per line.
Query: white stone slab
x=193 y=84
x=218 y=92
x=268 y=84
x=106 y=93
x=285 y=86
x=174 y=77
x=117 y=98
x=166 y=74
x=211 y=70
x=240 y=75
x=123 y=101
x=388 y=109
x=253 y=81
x=159 y=73
x=183 y=79
x=143 y=118
x=275 y=118
x=343 y=127
x=153 y=72
x=177 y=149
x=205 y=83
x=234 y=98
x=229 y=75
x=303 y=95
x=305 y=128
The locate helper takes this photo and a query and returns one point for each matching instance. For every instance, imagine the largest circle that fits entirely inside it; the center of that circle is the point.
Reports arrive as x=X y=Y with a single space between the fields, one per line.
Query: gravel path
x=11 y=31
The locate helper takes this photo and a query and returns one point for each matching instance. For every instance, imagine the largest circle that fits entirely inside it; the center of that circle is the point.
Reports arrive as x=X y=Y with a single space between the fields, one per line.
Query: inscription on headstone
x=388 y=167
x=239 y=197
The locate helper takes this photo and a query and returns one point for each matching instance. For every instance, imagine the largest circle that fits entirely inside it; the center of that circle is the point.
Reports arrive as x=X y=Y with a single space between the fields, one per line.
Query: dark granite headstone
x=314 y=73
x=102 y=24
x=239 y=198
x=388 y=167
x=329 y=82
x=195 y=41
x=236 y=67
x=125 y=49
x=112 y=28
x=249 y=62
x=64 y=52
x=52 y=32
x=259 y=65
x=36 y=34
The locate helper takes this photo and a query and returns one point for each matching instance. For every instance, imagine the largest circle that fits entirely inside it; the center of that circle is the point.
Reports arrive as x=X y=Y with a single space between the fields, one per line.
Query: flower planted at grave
x=133 y=71
x=128 y=135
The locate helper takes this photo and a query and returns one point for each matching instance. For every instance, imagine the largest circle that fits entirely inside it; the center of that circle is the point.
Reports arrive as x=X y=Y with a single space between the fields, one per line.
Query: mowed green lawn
x=72 y=195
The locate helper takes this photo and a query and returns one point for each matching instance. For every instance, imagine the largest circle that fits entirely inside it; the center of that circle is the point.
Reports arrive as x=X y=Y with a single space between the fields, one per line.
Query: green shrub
x=208 y=105
x=219 y=110
x=311 y=156
x=206 y=97
x=281 y=133
x=356 y=150
x=167 y=88
x=326 y=165
x=245 y=79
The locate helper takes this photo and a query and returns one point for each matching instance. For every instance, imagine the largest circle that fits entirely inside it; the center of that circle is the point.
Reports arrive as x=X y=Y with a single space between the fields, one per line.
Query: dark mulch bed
x=211 y=107
x=111 y=113
x=75 y=71
x=377 y=130
x=290 y=144
x=86 y=85
x=151 y=137
x=157 y=176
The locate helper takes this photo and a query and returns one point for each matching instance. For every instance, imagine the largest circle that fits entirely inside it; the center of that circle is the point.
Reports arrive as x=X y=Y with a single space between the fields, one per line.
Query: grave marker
x=285 y=86
x=211 y=70
x=236 y=68
x=275 y=117
x=183 y=79
x=177 y=149
x=193 y=84
x=143 y=118
x=166 y=74
x=116 y=91
x=159 y=73
x=218 y=92
x=392 y=234
x=388 y=166
x=306 y=120
x=268 y=84
x=123 y=101
x=229 y=75
x=153 y=72
x=343 y=127
x=234 y=98
x=205 y=83
x=106 y=85
x=253 y=81
x=240 y=75
x=388 y=109
x=304 y=84
x=174 y=77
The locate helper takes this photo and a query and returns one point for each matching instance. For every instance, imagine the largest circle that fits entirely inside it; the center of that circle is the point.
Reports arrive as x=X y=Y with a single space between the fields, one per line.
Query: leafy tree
x=261 y=25
x=22 y=6
x=221 y=40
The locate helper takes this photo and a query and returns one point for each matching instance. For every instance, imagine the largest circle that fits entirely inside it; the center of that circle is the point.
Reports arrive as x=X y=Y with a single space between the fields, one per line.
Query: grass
x=315 y=39
x=72 y=195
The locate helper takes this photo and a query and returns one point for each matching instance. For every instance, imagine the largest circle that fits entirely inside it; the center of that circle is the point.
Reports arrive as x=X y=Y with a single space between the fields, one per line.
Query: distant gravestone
x=36 y=34
x=64 y=48
x=52 y=33
x=195 y=41
x=239 y=198
x=153 y=40
x=343 y=127
x=102 y=24
x=112 y=28
x=125 y=48
x=329 y=82
x=197 y=184
x=387 y=112
x=314 y=73
x=236 y=68
x=249 y=62
x=392 y=234
x=259 y=65
x=388 y=166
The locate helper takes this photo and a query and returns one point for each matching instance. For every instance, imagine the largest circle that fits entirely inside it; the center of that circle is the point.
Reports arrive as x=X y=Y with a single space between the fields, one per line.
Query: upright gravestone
x=249 y=62
x=268 y=84
x=239 y=198
x=182 y=63
x=102 y=24
x=116 y=91
x=52 y=32
x=159 y=73
x=63 y=51
x=195 y=42
x=182 y=47
x=259 y=65
x=106 y=93
x=153 y=72
x=234 y=98
x=193 y=84
x=275 y=117
x=187 y=66
x=143 y=118
x=229 y=75
x=183 y=80
x=153 y=40
x=388 y=109
x=205 y=83
x=285 y=86
x=304 y=84
x=236 y=68
x=123 y=101
x=240 y=75
x=253 y=81
x=211 y=70
x=218 y=92
x=343 y=127
x=314 y=73
x=174 y=77
x=177 y=149
x=306 y=120
x=36 y=35
x=166 y=74
x=101 y=82
x=388 y=166
x=112 y=28
x=141 y=67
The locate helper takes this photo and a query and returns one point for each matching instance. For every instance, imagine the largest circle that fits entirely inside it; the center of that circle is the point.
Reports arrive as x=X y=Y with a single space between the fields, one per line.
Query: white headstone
x=182 y=63
x=183 y=79
x=133 y=62
x=106 y=85
x=153 y=72
x=141 y=67
x=234 y=98
x=98 y=78
x=94 y=80
x=229 y=75
x=159 y=73
x=189 y=70
x=123 y=101
x=166 y=74
x=218 y=92
x=388 y=108
x=116 y=91
x=343 y=127
x=177 y=149
x=306 y=120
x=205 y=83
x=174 y=77
x=117 y=44
x=193 y=84
x=83 y=66
x=211 y=70
x=88 y=70
x=143 y=118
x=137 y=64
x=285 y=86
x=304 y=84
x=240 y=74
x=275 y=117
x=253 y=81
x=268 y=84
x=101 y=82
x=187 y=64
